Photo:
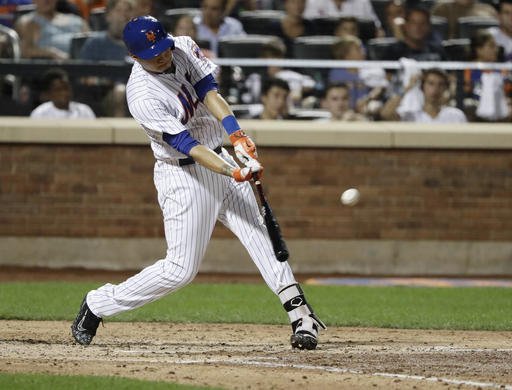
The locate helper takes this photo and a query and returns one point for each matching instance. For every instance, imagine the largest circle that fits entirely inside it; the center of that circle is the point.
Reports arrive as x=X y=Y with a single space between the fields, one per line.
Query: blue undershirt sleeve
x=203 y=86
x=182 y=142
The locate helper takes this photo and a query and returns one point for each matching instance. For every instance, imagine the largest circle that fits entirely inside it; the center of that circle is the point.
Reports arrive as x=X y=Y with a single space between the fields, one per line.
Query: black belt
x=190 y=160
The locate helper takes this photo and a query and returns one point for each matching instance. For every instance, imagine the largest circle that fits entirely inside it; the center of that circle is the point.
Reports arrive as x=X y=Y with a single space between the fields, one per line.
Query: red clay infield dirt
x=237 y=356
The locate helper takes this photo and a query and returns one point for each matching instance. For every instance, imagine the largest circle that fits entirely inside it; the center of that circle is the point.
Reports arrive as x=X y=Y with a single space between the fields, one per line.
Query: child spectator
x=56 y=88
x=336 y=100
x=434 y=86
x=274 y=96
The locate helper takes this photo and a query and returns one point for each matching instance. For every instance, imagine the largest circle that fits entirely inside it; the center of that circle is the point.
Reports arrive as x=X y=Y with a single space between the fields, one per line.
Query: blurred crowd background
x=468 y=34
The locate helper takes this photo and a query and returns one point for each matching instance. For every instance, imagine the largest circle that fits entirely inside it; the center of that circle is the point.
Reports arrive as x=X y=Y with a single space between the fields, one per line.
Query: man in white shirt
x=434 y=85
x=503 y=33
x=57 y=89
x=213 y=25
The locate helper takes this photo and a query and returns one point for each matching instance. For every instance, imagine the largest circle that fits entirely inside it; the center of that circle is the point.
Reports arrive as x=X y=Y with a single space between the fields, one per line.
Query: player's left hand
x=245 y=149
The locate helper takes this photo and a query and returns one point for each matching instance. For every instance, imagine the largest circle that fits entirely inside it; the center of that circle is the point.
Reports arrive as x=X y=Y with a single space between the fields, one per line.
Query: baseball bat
x=274 y=231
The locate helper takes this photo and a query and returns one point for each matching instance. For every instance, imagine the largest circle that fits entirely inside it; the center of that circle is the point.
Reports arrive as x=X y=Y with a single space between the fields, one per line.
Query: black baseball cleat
x=84 y=327
x=305 y=332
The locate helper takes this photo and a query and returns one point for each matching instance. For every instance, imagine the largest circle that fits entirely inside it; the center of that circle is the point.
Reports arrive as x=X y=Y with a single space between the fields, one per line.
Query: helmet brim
x=157 y=48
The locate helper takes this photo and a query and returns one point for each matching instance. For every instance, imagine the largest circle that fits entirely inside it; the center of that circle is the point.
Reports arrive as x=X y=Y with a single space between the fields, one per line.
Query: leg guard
x=305 y=323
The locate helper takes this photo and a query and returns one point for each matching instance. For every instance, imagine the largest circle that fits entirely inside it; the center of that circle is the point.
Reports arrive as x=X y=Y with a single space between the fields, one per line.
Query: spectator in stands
x=416 y=43
x=143 y=7
x=299 y=84
x=46 y=33
x=361 y=9
x=435 y=85
x=394 y=19
x=363 y=82
x=349 y=48
x=347 y=25
x=185 y=26
x=56 y=88
x=274 y=96
x=213 y=25
x=85 y=7
x=485 y=91
x=109 y=46
x=293 y=25
x=452 y=10
x=336 y=100
x=503 y=33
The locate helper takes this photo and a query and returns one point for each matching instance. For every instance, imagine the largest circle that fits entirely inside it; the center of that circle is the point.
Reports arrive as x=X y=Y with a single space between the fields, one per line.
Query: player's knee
x=179 y=274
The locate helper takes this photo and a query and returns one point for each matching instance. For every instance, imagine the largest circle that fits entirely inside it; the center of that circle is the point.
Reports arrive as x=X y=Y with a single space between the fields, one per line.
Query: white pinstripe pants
x=192 y=198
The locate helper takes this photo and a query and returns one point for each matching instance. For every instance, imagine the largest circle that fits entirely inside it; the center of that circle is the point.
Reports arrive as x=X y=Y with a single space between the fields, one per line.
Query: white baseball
x=350 y=197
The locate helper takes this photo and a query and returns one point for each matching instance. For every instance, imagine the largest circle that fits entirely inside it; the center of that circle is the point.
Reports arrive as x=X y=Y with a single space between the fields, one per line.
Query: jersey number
x=189 y=105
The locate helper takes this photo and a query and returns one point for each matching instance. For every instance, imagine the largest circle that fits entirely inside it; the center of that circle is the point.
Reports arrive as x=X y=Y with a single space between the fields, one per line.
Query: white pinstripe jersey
x=167 y=102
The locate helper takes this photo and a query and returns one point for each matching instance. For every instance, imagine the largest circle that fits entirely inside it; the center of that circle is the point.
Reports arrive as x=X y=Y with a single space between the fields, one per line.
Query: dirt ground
x=237 y=356
x=259 y=357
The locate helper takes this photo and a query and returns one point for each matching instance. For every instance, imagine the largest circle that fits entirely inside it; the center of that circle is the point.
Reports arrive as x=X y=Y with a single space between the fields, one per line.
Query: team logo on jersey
x=198 y=52
x=188 y=103
x=151 y=36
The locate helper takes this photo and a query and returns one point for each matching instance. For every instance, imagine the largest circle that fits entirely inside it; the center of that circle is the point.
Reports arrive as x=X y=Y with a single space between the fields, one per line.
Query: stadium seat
x=470 y=24
x=317 y=47
x=171 y=16
x=261 y=21
x=97 y=20
x=440 y=25
x=78 y=41
x=327 y=26
x=428 y=4
x=23 y=9
x=247 y=46
x=457 y=49
x=377 y=47
x=185 y=3
x=367 y=29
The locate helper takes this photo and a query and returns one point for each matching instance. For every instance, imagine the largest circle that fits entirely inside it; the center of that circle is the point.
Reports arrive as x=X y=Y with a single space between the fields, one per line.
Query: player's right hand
x=244 y=174
x=245 y=149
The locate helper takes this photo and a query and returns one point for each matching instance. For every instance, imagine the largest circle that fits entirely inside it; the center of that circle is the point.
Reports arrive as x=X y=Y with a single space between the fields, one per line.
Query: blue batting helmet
x=145 y=37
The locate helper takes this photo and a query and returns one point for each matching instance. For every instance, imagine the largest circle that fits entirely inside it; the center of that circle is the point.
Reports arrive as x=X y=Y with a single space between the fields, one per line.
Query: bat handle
x=256 y=178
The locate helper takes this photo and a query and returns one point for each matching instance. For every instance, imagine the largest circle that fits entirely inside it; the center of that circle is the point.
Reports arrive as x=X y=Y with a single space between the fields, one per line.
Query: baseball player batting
x=173 y=95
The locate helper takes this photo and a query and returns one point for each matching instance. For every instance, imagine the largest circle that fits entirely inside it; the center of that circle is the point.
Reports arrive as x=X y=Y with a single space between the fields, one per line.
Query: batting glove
x=245 y=149
x=244 y=174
